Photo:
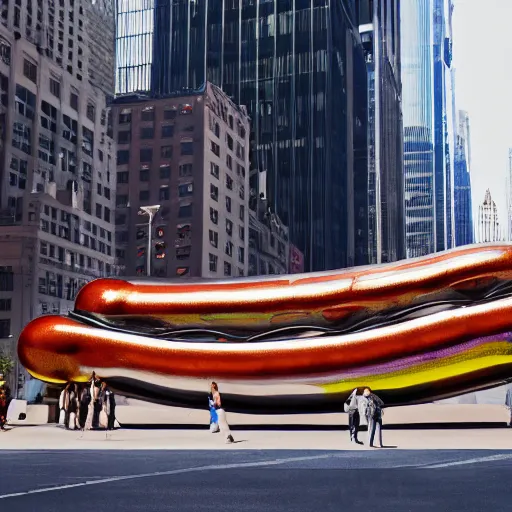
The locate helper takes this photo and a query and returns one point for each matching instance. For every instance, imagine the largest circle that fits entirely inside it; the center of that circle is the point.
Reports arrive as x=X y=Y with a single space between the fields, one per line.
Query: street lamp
x=151 y=211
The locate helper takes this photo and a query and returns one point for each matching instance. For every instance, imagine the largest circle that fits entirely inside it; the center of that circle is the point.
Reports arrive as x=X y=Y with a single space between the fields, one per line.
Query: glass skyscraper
x=463 y=210
x=428 y=124
x=298 y=66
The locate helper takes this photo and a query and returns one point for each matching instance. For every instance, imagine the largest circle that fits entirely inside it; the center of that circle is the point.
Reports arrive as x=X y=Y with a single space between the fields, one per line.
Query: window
x=87 y=141
x=91 y=112
x=229 y=140
x=214 y=238
x=240 y=151
x=216 y=129
x=186 y=109
x=165 y=172
x=231 y=121
x=146 y=155
x=5 y=52
x=30 y=70
x=123 y=157
x=122 y=177
x=229 y=227
x=229 y=248
x=48 y=116
x=185 y=170
x=229 y=182
x=187 y=148
x=214 y=215
x=227 y=268
x=125 y=117
x=120 y=219
x=144 y=195
x=147 y=114
x=144 y=175
x=240 y=170
x=167 y=131
x=166 y=152
x=98 y=187
x=242 y=212
x=106 y=192
x=241 y=192
x=98 y=211
x=106 y=214
x=241 y=255
x=185 y=210
x=241 y=131
x=215 y=148
x=22 y=137
x=214 y=192
x=124 y=137
x=241 y=232
x=213 y=262
x=228 y=204
x=170 y=113
x=164 y=193
x=121 y=200
x=25 y=102
x=147 y=132
x=5 y=328
x=73 y=101
x=229 y=162
x=186 y=189
x=214 y=170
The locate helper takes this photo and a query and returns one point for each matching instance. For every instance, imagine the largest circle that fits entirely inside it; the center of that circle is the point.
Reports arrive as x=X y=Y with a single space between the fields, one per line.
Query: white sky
x=482 y=56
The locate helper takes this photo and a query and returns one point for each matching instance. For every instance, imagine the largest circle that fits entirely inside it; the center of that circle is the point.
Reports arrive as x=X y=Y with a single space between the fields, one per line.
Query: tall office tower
x=379 y=26
x=428 y=124
x=509 y=196
x=299 y=68
x=99 y=16
x=463 y=210
x=185 y=159
x=418 y=119
x=57 y=186
x=489 y=228
x=444 y=140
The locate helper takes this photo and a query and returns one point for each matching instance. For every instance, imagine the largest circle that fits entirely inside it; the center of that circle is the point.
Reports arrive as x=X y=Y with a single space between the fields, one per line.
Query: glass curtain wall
x=298 y=67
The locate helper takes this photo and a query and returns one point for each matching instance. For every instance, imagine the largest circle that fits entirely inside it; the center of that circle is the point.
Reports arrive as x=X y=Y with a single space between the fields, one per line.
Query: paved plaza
x=292 y=464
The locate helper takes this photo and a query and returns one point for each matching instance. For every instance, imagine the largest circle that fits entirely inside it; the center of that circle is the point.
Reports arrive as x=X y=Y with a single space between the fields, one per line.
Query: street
x=233 y=480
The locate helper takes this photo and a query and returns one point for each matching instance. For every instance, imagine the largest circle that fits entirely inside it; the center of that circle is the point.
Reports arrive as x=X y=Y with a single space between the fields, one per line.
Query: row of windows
x=146 y=154
x=213 y=261
x=72 y=259
x=148 y=113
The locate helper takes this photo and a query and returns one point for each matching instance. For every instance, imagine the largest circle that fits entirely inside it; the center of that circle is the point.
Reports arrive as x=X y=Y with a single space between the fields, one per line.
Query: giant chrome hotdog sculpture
x=414 y=331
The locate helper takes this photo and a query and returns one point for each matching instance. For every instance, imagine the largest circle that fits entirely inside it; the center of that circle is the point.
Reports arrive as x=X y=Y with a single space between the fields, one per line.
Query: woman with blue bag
x=214 y=419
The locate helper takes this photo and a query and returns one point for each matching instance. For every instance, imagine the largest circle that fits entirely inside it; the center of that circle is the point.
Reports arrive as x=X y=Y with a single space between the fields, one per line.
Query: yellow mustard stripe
x=478 y=358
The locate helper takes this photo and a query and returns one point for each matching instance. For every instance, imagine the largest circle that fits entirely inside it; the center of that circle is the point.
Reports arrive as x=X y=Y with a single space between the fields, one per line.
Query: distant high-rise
x=489 y=228
x=299 y=68
x=463 y=211
x=379 y=26
x=428 y=124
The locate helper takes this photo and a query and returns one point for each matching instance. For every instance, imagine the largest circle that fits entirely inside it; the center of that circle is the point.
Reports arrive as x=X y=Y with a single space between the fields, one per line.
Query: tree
x=6 y=365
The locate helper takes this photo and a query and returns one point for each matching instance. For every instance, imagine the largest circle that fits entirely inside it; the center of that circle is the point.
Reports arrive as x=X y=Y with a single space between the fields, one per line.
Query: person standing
x=109 y=405
x=96 y=400
x=63 y=399
x=221 y=413
x=84 y=402
x=71 y=407
x=354 y=419
x=508 y=403
x=3 y=409
x=372 y=407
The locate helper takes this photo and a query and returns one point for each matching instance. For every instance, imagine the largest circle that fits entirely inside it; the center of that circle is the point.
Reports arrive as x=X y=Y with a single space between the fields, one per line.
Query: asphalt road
x=229 y=480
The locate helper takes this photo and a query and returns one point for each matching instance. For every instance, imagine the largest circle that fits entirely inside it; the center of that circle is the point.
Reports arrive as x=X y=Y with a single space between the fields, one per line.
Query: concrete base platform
x=136 y=413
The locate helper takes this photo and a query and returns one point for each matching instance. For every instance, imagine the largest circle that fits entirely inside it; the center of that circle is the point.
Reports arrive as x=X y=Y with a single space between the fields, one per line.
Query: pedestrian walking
x=3 y=409
x=71 y=407
x=214 y=419
x=83 y=407
x=221 y=414
x=63 y=400
x=372 y=408
x=108 y=402
x=508 y=404
x=351 y=406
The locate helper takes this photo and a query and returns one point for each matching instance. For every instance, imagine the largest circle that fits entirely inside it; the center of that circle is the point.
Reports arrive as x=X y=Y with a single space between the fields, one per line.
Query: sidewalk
x=52 y=437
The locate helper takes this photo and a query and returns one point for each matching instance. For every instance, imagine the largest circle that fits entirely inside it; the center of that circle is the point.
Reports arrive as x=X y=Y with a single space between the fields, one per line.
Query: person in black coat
x=354 y=419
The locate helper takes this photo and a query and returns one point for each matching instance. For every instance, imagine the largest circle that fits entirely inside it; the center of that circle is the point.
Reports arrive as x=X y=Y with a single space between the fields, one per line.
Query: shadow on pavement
x=312 y=427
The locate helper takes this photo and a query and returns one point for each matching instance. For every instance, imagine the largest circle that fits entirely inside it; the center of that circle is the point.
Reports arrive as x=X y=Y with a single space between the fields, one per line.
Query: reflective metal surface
x=414 y=331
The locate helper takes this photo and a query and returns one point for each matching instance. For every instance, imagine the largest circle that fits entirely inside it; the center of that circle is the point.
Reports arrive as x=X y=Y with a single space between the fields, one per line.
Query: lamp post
x=151 y=211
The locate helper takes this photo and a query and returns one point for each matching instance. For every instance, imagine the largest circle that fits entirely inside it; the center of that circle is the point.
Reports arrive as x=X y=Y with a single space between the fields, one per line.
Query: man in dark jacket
x=354 y=419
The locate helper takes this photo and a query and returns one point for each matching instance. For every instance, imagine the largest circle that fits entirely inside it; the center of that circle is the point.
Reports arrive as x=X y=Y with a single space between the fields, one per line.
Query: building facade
x=57 y=196
x=463 y=209
x=189 y=155
x=488 y=227
x=300 y=70
x=379 y=26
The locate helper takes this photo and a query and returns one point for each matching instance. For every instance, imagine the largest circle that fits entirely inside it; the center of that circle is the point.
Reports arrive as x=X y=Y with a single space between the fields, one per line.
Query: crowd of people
x=87 y=406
